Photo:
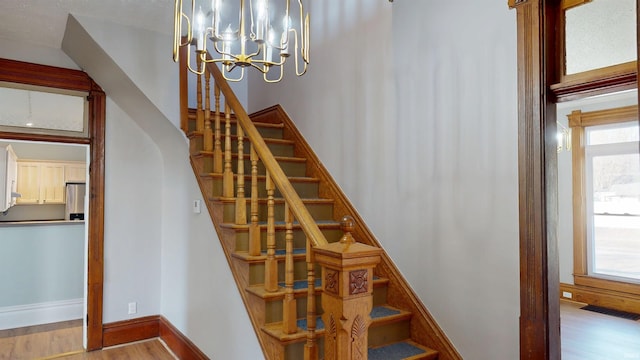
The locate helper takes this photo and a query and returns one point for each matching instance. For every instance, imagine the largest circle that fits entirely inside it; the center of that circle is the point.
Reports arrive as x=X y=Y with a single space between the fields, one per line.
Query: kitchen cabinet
x=8 y=177
x=75 y=172
x=40 y=182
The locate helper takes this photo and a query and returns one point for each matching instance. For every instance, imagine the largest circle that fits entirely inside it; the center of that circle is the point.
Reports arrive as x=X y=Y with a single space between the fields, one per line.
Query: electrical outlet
x=566 y=294
x=133 y=308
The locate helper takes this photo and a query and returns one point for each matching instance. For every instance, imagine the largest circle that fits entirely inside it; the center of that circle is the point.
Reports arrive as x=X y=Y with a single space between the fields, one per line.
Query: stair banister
x=278 y=176
x=347 y=267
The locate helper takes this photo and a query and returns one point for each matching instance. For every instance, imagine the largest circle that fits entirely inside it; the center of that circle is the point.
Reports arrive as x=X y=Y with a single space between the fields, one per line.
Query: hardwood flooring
x=587 y=335
x=64 y=341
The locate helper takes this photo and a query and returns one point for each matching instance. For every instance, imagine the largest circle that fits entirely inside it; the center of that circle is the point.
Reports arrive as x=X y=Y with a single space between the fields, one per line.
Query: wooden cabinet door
x=75 y=173
x=52 y=183
x=28 y=183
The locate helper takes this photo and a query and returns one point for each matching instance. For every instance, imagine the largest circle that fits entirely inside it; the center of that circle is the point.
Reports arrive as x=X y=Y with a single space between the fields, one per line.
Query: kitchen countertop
x=40 y=223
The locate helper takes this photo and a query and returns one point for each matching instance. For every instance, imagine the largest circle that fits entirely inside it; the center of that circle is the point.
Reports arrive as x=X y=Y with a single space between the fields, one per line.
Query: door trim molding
x=69 y=79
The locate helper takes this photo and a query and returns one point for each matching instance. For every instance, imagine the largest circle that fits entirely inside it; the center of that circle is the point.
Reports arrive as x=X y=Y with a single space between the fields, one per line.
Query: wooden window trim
x=608 y=79
x=578 y=121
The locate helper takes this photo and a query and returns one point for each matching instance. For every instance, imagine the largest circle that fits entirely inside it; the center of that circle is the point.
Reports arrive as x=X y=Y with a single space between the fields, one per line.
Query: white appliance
x=8 y=177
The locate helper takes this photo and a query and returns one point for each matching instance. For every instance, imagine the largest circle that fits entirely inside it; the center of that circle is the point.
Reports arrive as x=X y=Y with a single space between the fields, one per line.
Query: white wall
x=133 y=210
x=191 y=279
x=421 y=113
x=35 y=54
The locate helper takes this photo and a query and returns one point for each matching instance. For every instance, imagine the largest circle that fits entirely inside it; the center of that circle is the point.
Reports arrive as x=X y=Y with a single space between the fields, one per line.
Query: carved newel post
x=347 y=283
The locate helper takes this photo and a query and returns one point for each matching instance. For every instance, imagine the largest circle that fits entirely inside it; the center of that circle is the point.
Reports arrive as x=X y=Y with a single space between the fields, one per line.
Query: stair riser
x=277 y=149
x=299 y=239
x=213 y=188
x=389 y=333
x=266 y=132
x=317 y=211
x=274 y=308
x=378 y=335
x=256 y=271
x=196 y=144
x=204 y=165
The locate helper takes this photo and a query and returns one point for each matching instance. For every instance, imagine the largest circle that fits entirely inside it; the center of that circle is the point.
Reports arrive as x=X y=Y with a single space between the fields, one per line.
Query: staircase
x=279 y=282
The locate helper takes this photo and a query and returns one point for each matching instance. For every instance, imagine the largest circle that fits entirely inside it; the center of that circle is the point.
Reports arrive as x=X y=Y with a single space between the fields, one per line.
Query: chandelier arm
x=197 y=72
x=233 y=79
x=295 y=56
x=177 y=30
x=264 y=76
x=189 y=36
x=307 y=38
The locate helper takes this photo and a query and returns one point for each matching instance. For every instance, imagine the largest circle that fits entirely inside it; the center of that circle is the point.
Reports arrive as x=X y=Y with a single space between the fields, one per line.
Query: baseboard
x=126 y=331
x=181 y=346
x=149 y=327
x=12 y=317
x=605 y=298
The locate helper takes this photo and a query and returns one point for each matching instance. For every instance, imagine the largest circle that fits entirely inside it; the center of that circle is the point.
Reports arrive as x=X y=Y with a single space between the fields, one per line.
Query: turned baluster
x=271 y=265
x=199 y=111
x=241 y=202
x=217 y=144
x=254 y=228
x=208 y=134
x=227 y=176
x=289 y=302
x=311 y=346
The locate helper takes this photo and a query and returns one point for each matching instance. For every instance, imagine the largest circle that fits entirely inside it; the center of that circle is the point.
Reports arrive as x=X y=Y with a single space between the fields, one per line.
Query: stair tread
x=403 y=350
x=277 y=200
x=263 y=177
x=380 y=315
x=299 y=286
x=235 y=155
x=192 y=116
x=322 y=224
x=195 y=133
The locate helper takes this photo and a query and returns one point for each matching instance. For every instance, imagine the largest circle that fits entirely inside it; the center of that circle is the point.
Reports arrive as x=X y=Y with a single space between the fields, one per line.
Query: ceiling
x=42 y=22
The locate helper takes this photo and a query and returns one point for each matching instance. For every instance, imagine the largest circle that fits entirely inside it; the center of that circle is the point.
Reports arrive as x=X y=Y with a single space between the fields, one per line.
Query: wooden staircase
x=395 y=331
x=279 y=214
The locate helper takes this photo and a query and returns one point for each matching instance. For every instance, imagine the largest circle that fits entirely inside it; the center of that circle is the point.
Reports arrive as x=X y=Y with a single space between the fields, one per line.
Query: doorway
x=43 y=252
x=73 y=80
x=539 y=37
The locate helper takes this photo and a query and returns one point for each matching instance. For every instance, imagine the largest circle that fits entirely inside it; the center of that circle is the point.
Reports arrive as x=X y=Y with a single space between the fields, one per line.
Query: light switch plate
x=196 y=206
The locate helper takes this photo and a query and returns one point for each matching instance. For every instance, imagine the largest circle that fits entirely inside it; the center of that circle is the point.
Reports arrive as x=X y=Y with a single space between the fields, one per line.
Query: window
x=596 y=48
x=606 y=193
x=613 y=201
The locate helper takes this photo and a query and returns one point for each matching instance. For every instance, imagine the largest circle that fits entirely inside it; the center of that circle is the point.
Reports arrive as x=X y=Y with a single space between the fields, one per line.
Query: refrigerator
x=75 y=193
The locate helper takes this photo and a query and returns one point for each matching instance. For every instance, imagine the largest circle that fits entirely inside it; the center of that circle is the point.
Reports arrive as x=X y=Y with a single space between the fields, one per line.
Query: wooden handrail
x=278 y=176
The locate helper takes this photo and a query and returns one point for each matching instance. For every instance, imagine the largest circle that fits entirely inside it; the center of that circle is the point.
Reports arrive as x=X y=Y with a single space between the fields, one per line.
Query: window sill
x=624 y=288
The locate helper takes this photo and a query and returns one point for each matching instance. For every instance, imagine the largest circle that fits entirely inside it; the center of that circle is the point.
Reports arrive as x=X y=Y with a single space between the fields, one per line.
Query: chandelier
x=259 y=34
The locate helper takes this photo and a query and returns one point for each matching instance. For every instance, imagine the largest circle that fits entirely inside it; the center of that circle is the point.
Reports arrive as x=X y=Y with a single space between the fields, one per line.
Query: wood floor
x=64 y=341
x=585 y=336
x=588 y=335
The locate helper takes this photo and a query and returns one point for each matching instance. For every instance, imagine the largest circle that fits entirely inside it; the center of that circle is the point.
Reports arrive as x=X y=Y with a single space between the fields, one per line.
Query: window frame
x=578 y=121
x=604 y=80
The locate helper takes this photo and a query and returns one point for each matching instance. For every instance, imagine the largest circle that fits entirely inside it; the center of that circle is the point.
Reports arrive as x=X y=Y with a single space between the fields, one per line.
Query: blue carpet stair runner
x=396 y=351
